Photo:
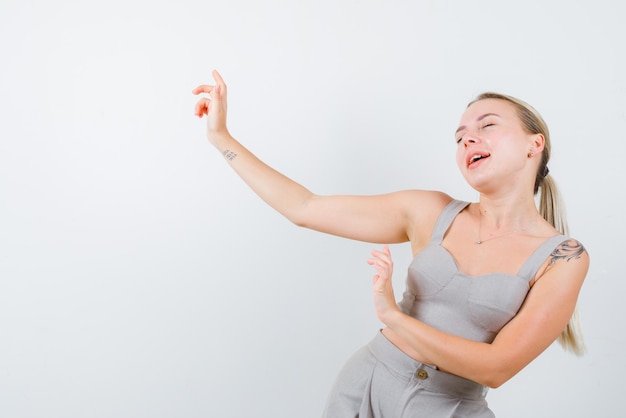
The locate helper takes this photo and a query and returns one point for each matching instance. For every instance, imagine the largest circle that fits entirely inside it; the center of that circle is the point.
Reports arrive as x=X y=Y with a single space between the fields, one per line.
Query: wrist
x=220 y=139
x=393 y=318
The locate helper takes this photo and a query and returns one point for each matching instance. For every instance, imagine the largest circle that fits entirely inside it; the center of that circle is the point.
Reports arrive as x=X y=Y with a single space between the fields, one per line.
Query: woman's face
x=493 y=148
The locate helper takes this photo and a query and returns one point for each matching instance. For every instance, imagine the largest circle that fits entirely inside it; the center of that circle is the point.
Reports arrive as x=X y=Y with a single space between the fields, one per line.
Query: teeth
x=476 y=158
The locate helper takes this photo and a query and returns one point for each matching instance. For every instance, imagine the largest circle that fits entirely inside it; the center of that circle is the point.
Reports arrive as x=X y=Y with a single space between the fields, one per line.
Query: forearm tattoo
x=569 y=250
x=229 y=155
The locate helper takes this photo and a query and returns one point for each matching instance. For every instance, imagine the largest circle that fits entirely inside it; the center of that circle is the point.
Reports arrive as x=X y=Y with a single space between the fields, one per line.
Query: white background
x=139 y=277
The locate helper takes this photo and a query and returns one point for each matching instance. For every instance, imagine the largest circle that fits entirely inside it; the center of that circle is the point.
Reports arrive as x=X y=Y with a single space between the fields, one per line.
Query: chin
x=479 y=184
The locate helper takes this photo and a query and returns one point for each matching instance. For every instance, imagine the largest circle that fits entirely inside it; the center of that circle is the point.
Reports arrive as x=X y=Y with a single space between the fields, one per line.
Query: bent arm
x=543 y=316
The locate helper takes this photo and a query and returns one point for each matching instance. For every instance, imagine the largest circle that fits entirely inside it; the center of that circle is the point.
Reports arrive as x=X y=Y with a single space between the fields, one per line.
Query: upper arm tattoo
x=569 y=250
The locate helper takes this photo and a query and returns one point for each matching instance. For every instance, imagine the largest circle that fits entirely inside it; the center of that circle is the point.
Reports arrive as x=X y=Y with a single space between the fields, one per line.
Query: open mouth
x=476 y=157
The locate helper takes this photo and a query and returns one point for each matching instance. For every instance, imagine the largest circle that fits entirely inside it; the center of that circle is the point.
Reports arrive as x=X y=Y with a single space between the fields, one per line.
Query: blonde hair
x=551 y=206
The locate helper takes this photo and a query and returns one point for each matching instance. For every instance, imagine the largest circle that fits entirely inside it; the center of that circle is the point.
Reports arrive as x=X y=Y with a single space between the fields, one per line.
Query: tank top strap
x=445 y=219
x=537 y=258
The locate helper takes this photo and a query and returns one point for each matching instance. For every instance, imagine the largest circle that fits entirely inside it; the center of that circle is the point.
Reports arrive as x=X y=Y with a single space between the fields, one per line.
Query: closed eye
x=460 y=132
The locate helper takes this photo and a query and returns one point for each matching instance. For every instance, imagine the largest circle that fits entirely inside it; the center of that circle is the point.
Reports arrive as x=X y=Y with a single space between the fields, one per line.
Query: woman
x=493 y=283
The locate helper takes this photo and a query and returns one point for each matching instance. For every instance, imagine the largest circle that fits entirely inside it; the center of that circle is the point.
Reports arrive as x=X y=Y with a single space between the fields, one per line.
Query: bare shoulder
x=424 y=209
x=426 y=199
x=568 y=262
x=423 y=205
x=570 y=250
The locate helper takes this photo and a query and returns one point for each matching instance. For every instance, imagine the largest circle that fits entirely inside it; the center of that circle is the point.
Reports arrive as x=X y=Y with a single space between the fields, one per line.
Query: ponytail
x=552 y=209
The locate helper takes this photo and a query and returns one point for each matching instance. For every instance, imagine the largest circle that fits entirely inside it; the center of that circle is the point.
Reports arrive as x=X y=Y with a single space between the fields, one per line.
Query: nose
x=469 y=139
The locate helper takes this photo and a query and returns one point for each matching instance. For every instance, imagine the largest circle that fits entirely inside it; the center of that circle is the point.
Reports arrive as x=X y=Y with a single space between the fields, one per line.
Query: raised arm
x=385 y=218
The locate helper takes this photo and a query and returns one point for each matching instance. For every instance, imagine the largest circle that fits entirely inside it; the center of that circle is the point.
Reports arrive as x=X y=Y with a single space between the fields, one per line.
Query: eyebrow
x=481 y=117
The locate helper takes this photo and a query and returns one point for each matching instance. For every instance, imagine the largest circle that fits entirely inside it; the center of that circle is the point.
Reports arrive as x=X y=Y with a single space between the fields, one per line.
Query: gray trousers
x=380 y=381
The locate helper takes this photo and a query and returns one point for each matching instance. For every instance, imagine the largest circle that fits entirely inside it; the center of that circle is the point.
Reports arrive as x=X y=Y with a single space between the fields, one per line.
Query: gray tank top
x=472 y=307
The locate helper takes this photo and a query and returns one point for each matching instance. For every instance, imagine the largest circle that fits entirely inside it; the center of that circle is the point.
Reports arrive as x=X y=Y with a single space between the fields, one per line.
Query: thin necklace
x=515 y=231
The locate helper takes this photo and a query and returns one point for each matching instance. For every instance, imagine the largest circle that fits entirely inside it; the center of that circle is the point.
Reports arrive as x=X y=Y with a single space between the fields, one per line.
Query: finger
x=202 y=107
x=219 y=81
x=203 y=88
x=385 y=253
x=380 y=265
x=382 y=268
x=386 y=257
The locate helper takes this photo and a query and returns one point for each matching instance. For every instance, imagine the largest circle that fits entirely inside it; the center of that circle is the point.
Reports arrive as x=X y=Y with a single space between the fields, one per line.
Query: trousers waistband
x=429 y=377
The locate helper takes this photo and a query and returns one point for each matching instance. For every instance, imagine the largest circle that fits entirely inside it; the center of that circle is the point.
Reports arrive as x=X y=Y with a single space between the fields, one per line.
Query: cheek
x=460 y=157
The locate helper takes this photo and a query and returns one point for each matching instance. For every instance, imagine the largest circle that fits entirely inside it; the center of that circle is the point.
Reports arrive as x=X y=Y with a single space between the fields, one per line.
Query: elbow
x=298 y=223
x=497 y=377
x=495 y=368
x=299 y=214
x=297 y=219
x=493 y=382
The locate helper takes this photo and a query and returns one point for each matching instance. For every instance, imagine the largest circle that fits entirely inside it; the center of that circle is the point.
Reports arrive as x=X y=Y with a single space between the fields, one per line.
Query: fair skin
x=504 y=179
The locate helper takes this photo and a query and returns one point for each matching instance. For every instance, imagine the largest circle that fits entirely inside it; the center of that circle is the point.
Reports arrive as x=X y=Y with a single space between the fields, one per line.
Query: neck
x=498 y=213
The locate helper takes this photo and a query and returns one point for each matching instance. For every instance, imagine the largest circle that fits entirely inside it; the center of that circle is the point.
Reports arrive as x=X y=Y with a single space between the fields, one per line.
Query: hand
x=213 y=106
x=384 y=298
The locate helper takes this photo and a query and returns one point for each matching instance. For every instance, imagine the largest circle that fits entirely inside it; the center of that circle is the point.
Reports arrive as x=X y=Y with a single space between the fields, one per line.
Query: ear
x=537 y=143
